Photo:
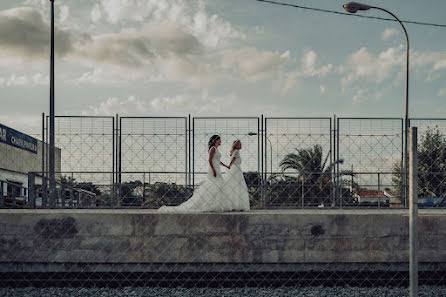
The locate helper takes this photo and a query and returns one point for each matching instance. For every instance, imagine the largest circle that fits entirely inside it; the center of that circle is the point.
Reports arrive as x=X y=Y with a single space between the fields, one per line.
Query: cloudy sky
x=218 y=58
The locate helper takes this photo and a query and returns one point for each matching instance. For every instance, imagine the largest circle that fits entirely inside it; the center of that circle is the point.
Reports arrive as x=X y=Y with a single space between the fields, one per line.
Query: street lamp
x=353 y=7
x=51 y=150
x=271 y=150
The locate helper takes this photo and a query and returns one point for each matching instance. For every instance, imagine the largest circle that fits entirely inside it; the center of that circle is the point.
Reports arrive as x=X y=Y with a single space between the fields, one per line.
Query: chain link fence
x=431 y=161
x=153 y=161
x=146 y=162
x=299 y=164
x=111 y=165
x=369 y=154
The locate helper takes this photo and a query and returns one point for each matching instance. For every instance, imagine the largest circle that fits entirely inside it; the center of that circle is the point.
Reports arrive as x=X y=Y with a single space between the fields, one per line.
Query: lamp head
x=252 y=133
x=353 y=7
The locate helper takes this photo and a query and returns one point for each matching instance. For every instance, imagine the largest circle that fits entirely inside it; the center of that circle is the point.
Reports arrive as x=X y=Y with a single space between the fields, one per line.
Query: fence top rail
x=224 y=118
x=427 y=119
x=371 y=118
x=153 y=117
x=341 y=172
x=297 y=118
x=111 y=172
x=80 y=116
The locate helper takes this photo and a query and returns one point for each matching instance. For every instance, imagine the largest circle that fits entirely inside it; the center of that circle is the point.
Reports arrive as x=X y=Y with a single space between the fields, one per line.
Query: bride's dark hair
x=213 y=140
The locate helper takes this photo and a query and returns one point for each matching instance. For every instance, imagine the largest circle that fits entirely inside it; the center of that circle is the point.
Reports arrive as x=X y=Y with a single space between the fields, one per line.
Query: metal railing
x=106 y=150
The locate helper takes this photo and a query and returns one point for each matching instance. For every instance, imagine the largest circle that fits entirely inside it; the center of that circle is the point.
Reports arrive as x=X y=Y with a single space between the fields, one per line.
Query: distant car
x=431 y=202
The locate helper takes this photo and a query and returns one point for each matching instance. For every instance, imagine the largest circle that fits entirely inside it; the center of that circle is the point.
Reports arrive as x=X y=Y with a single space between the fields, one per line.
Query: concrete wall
x=294 y=236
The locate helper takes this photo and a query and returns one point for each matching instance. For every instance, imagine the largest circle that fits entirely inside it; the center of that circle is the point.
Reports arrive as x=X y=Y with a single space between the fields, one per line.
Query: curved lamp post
x=353 y=7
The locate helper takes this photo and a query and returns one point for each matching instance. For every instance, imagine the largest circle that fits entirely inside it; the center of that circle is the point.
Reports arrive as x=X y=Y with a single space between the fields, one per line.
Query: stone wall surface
x=282 y=236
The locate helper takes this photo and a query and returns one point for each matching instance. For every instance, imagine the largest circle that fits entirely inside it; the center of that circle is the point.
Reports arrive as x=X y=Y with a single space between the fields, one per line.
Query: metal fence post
x=2 y=198
x=413 y=213
x=333 y=160
x=32 y=189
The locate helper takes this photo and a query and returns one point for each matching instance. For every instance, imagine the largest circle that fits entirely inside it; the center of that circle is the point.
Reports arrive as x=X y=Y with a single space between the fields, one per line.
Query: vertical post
x=115 y=182
x=336 y=145
x=13 y=195
x=413 y=213
x=70 y=203
x=259 y=151
x=51 y=169
x=333 y=159
x=44 y=143
x=262 y=181
x=143 y=189
x=265 y=185
x=32 y=189
x=193 y=153
x=333 y=202
x=47 y=163
x=185 y=154
x=62 y=195
x=2 y=197
x=118 y=201
x=189 y=156
x=379 y=190
x=114 y=158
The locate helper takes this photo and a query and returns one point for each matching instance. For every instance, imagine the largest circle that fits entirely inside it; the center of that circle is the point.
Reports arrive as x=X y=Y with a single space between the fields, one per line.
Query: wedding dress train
x=210 y=195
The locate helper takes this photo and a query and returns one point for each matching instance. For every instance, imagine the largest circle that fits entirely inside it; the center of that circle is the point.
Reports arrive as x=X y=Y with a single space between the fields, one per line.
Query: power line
x=349 y=14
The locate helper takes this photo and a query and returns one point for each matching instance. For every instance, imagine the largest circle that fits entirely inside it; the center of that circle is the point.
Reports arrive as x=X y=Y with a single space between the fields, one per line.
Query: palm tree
x=309 y=165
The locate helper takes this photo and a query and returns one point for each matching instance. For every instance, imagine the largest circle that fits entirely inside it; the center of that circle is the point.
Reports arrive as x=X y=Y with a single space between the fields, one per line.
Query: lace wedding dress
x=235 y=185
x=210 y=195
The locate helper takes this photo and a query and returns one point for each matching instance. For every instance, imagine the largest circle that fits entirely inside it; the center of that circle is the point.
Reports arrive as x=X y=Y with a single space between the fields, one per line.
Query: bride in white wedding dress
x=210 y=195
x=235 y=184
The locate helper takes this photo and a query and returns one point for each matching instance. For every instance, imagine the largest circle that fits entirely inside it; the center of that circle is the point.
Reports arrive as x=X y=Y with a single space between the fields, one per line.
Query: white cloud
x=176 y=105
x=96 y=14
x=360 y=96
x=30 y=124
x=40 y=79
x=442 y=92
x=191 y=15
x=181 y=43
x=309 y=66
x=322 y=89
x=364 y=66
x=64 y=13
x=289 y=83
x=388 y=33
x=15 y=80
x=440 y=65
x=253 y=65
x=436 y=60
x=31 y=38
x=259 y=30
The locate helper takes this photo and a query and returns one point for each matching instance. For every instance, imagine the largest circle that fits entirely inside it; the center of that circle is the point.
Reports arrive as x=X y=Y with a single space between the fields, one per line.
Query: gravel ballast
x=428 y=291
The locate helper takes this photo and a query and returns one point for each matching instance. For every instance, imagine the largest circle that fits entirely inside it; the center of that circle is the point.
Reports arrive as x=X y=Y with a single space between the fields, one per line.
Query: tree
x=131 y=193
x=314 y=176
x=72 y=183
x=309 y=165
x=431 y=165
x=161 y=193
x=253 y=181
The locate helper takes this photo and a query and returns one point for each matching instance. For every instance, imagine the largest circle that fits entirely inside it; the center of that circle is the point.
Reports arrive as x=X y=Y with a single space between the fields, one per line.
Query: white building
x=20 y=154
